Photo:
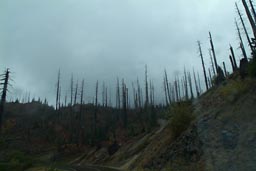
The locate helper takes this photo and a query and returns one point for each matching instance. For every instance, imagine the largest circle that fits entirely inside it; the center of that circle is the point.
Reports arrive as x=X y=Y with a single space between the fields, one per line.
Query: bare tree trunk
x=167 y=87
x=146 y=86
x=81 y=99
x=58 y=91
x=197 y=88
x=247 y=10
x=244 y=27
x=201 y=55
x=71 y=90
x=233 y=57
x=213 y=69
x=241 y=41
x=190 y=85
x=3 y=97
x=225 y=71
x=75 y=100
x=213 y=52
x=124 y=104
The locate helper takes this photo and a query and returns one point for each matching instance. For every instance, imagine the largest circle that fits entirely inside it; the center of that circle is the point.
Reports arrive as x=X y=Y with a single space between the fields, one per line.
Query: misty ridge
x=127 y=85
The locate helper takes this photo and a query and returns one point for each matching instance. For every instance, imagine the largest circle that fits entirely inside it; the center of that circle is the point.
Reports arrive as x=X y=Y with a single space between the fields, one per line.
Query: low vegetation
x=181 y=117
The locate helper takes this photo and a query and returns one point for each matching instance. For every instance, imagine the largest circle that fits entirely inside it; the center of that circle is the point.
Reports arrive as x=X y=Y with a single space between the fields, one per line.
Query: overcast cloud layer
x=103 y=39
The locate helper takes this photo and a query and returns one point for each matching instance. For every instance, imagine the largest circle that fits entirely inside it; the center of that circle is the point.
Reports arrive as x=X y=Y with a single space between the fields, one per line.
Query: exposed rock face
x=188 y=146
x=222 y=138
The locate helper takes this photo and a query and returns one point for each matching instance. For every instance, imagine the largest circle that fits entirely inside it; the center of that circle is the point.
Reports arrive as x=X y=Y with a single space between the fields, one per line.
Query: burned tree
x=243 y=24
x=58 y=91
x=233 y=57
x=146 y=87
x=241 y=41
x=196 y=84
x=202 y=59
x=71 y=90
x=248 y=13
x=117 y=94
x=4 y=93
x=213 y=52
x=124 y=100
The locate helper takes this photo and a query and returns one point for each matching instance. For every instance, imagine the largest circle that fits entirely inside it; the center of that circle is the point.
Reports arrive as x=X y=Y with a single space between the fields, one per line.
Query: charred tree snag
x=213 y=52
x=247 y=10
x=202 y=59
x=244 y=27
x=4 y=93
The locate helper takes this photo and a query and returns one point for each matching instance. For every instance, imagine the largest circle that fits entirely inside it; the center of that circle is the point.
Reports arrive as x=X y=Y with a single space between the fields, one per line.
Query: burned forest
x=149 y=110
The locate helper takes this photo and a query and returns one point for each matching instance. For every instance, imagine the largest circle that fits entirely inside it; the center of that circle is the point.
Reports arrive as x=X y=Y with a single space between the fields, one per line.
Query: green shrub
x=182 y=115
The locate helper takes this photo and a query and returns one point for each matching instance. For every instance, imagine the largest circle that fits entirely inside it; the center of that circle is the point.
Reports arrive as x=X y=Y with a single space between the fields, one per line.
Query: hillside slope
x=222 y=137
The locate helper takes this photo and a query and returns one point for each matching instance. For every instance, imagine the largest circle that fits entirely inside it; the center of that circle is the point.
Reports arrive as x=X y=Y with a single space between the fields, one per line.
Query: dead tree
x=233 y=57
x=196 y=84
x=71 y=90
x=151 y=93
x=225 y=71
x=58 y=91
x=106 y=96
x=81 y=99
x=185 y=84
x=232 y=63
x=103 y=94
x=213 y=52
x=245 y=30
x=199 y=83
x=168 y=93
x=212 y=64
x=124 y=100
x=241 y=41
x=202 y=59
x=117 y=94
x=135 y=102
x=146 y=87
x=247 y=10
x=96 y=108
x=76 y=91
x=253 y=10
x=59 y=98
x=4 y=93
x=139 y=94
x=190 y=85
x=165 y=93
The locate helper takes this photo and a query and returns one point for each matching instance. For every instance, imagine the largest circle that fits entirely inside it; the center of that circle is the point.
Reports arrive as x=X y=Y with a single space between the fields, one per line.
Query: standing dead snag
x=233 y=57
x=196 y=85
x=241 y=41
x=167 y=88
x=117 y=94
x=213 y=52
x=202 y=59
x=213 y=69
x=4 y=93
x=58 y=91
x=243 y=24
x=81 y=99
x=247 y=10
x=146 y=86
x=124 y=100
x=71 y=90
x=190 y=85
x=225 y=71
x=96 y=108
x=76 y=93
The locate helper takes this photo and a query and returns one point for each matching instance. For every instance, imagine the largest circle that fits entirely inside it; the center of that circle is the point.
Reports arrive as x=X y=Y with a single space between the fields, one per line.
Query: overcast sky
x=103 y=39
